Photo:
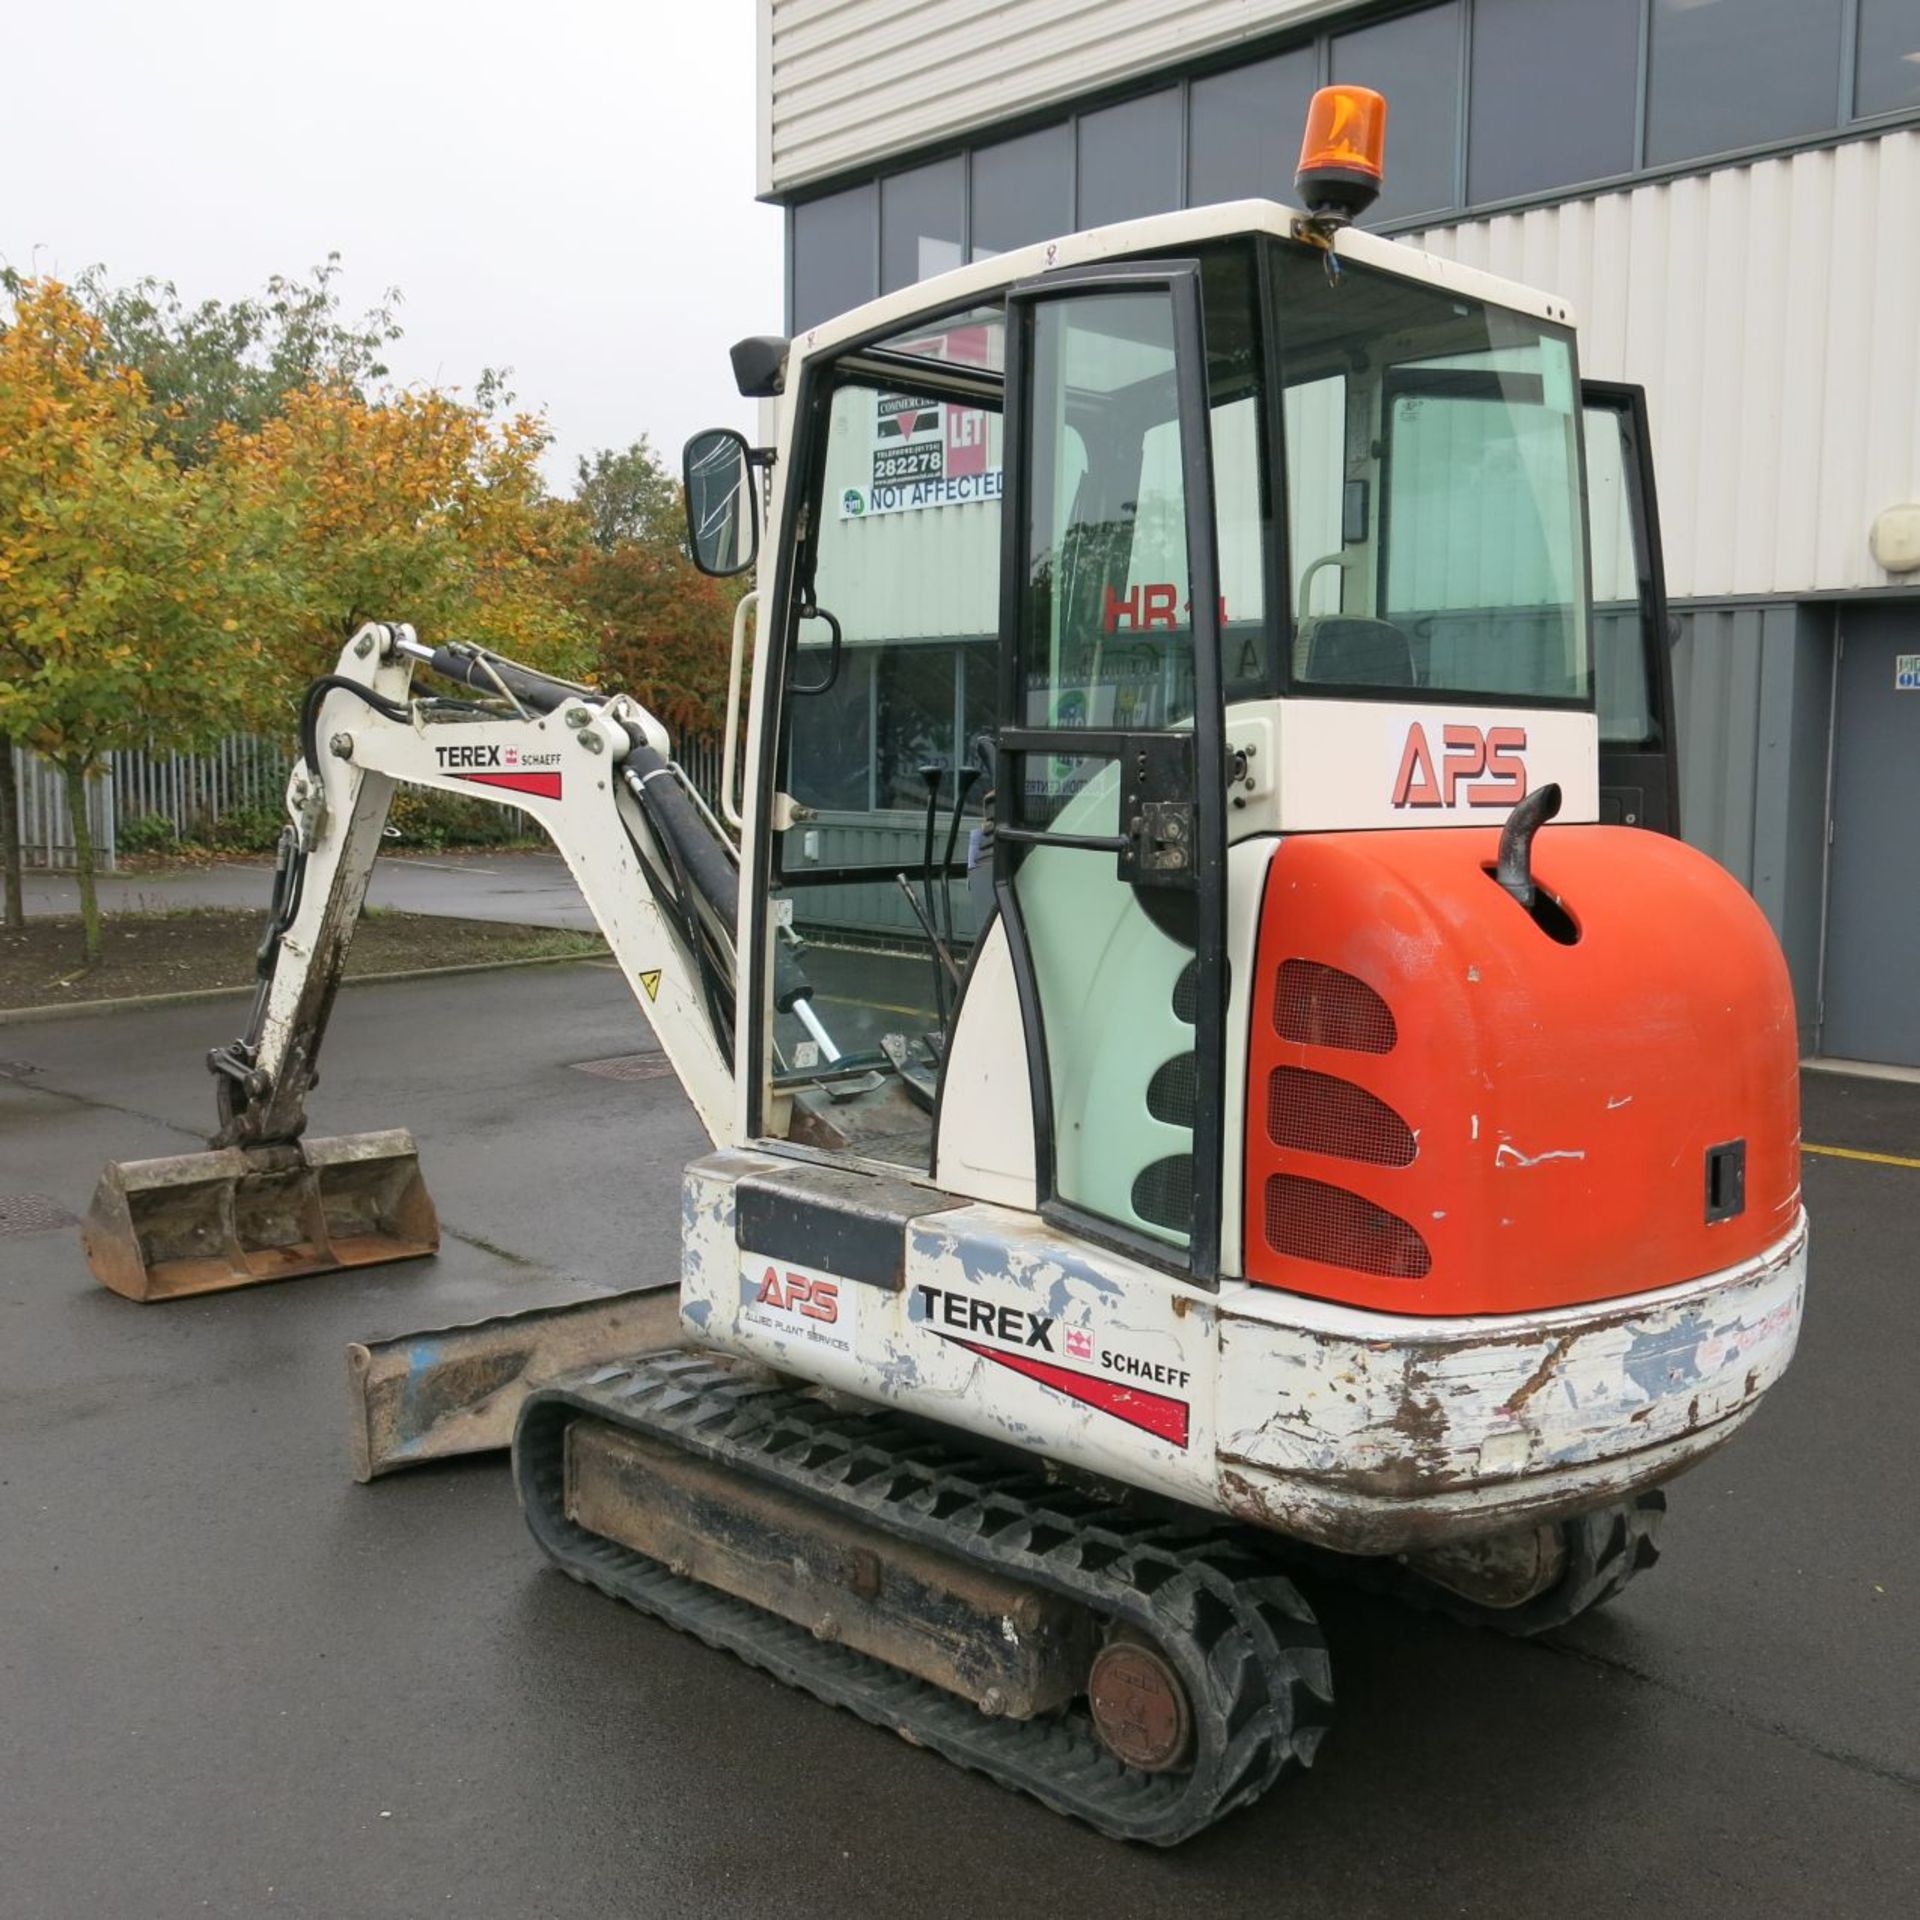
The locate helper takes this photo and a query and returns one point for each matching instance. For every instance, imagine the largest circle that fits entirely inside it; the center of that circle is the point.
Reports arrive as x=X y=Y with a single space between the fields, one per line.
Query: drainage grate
x=33 y=1213
x=628 y=1066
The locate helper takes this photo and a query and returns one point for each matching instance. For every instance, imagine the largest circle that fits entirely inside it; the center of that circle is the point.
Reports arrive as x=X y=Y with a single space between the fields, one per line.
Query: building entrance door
x=1872 y=976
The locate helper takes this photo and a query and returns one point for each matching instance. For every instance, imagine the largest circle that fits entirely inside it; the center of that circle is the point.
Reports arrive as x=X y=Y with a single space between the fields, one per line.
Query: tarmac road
x=232 y=1682
x=529 y=889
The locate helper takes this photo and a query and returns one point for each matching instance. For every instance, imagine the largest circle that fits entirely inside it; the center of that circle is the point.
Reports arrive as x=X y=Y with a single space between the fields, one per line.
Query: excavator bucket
x=203 y=1222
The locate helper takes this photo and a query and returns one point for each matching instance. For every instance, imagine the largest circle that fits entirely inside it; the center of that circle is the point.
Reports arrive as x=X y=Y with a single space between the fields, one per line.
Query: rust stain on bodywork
x=1541 y=1374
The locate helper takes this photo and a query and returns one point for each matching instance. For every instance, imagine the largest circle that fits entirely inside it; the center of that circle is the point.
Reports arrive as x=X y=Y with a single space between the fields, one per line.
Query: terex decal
x=1483 y=767
x=494 y=765
x=1022 y=1332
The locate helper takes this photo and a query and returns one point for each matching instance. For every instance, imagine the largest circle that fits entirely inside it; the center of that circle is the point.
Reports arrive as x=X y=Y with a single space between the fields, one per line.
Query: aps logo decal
x=1482 y=766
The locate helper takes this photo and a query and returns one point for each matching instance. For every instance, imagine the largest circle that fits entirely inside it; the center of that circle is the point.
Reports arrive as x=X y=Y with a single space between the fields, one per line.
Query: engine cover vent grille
x=1170 y=1093
x=1319 y=1006
x=1321 y=1114
x=1163 y=1192
x=1311 y=1220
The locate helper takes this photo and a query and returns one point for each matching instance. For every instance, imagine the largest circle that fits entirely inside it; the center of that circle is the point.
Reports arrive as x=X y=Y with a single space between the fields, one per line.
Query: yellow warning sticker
x=650 y=983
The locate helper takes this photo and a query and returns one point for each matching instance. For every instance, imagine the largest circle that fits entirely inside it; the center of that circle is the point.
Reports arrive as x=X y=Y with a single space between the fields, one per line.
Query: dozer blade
x=446 y=1391
x=202 y=1222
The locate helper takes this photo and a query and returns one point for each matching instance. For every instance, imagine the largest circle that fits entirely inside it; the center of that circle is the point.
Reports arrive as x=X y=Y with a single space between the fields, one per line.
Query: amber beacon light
x=1343 y=157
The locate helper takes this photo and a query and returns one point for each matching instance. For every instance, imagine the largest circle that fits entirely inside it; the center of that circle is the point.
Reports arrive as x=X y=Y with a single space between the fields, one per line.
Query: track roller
x=1524 y=1582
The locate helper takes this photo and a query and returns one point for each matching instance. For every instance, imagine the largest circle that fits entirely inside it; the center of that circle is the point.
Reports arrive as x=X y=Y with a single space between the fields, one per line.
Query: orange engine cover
x=1452 y=1111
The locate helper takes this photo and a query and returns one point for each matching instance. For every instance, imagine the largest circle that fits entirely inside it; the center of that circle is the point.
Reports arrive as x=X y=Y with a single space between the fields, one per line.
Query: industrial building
x=1726 y=191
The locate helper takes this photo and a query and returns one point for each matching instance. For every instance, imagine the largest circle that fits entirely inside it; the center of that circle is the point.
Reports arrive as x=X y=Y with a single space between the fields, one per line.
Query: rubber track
x=1243 y=1641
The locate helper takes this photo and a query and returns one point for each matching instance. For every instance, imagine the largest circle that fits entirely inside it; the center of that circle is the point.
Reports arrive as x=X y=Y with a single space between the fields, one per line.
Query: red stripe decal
x=1155 y=1413
x=545 y=785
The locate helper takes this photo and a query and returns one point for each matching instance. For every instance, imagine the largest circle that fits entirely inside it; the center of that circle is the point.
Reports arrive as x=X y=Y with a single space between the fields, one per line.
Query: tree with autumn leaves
x=180 y=554
x=661 y=629
x=116 y=564
x=418 y=507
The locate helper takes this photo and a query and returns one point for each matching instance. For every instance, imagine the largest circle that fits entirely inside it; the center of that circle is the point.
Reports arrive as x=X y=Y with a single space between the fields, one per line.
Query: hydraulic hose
x=694 y=851
x=310 y=712
x=677 y=819
x=468 y=666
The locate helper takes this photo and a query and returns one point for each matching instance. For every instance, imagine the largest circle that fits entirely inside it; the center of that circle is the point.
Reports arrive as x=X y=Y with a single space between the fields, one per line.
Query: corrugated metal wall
x=1753 y=687
x=1772 y=312
x=846 y=81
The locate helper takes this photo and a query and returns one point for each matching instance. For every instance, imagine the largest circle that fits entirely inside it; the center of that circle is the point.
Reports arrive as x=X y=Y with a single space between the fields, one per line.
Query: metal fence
x=46 y=829
x=193 y=792
x=701 y=760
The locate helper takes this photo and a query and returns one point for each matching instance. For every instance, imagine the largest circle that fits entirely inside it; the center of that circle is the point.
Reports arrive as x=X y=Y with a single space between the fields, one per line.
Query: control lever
x=941 y=956
x=933 y=774
x=963 y=781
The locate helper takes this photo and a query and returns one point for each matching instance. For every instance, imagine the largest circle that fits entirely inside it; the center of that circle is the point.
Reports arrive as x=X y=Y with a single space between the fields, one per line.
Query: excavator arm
x=657 y=870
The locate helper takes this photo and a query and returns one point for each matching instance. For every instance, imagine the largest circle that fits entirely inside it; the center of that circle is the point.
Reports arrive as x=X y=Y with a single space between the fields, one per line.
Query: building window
x=832 y=762
x=1243 y=140
x=1887 y=69
x=1554 y=89
x=1130 y=160
x=1022 y=191
x=1489 y=101
x=921 y=217
x=1726 y=74
x=1415 y=61
x=834 y=247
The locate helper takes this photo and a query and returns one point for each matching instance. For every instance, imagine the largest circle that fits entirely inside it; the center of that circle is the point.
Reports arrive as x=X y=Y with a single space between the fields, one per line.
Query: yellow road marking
x=1856 y=1153
x=878 y=1006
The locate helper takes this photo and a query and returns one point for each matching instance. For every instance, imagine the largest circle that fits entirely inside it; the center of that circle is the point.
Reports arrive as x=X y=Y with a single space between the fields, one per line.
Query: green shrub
x=146 y=833
x=253 y=827
x=422 y=818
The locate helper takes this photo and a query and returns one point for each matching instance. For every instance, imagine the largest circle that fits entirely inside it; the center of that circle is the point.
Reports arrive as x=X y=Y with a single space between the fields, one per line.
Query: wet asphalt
x=233 y=1682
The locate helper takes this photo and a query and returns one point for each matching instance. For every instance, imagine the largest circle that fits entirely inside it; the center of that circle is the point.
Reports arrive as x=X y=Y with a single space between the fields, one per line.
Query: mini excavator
x=1217 y=1060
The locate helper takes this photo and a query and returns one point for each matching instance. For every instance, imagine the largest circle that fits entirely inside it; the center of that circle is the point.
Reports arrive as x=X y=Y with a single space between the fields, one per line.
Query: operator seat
x=1343 y=650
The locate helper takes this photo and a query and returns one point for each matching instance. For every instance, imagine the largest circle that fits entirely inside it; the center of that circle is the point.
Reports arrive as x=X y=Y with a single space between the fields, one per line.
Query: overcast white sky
x=564 y=187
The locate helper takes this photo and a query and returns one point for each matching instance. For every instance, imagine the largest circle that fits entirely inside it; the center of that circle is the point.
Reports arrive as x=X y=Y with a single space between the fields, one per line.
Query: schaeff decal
x=493 y=765
x=1026 y=1335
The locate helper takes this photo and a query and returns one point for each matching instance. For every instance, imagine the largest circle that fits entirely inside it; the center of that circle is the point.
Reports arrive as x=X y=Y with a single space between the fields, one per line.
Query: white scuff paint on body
x=1508 y=1155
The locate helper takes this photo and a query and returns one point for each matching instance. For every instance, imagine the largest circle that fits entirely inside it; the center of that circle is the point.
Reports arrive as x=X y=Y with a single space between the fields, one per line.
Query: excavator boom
x=265 y=1202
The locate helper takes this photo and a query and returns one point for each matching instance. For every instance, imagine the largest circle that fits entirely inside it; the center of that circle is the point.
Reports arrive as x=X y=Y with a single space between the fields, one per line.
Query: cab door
x=1110 y=788
x=1632 y=645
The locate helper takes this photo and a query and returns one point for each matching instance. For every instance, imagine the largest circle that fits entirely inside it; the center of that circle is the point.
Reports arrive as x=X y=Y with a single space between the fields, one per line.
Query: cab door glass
x=1106 y=637
x=1104 y=648
x=1622 y=667
x=890 y=691
x=1632 y=657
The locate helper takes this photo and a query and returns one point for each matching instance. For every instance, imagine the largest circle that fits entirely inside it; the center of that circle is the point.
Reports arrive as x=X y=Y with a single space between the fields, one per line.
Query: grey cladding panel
x=1750 y=688
x=1873 y=923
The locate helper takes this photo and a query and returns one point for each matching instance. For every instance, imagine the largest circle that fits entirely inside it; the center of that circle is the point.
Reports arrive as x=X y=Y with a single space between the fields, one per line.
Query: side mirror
x=723 y=510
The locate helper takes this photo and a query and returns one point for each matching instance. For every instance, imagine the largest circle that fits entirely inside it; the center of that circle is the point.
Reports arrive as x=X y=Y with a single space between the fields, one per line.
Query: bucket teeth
x=230 y=1217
